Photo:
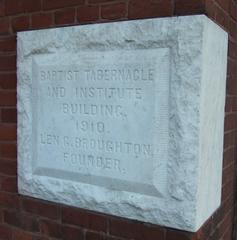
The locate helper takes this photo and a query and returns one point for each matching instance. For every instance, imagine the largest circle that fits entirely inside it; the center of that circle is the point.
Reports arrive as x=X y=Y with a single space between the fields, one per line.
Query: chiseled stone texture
x=178 y=110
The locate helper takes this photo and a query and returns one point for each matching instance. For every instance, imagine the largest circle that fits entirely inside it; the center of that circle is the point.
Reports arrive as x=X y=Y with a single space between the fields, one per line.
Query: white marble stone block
x=125 y=118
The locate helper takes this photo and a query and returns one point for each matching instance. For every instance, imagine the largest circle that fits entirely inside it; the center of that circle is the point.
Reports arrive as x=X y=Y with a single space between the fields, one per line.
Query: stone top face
x=116 y=118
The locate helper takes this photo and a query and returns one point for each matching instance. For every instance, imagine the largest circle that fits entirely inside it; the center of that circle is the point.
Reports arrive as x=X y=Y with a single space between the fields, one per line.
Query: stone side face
x=28 y=218
x=212 y=108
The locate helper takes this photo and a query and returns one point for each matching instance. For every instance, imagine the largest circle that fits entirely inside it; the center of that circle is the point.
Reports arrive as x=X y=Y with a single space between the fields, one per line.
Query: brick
x=8 y=167
x=105 y=237
x=126 y=229
x=218 y=215
x=178 y=235
x=233 y=9
x=9 y=200
x=53 y=4
x=12 y=218
x=228 y=233
x=135 y=230
x=18 y=234
x=230 y=122
x=232 y=51
x=234 y=104
x=9 y=184
x=7 y=98
x=233 y=27
x=5 y=232
x=228 y=104
x=114 y=11
x=152 y=232
x=31 y=6
x=71 y=233
x=20 y=23
x=87 y=14
x=42 y=209
x=7 y=80
x=2 y=8
x=22 y=6
x=227 y=201
x=224 y=4
x=210 y=8
x=13 y=6
x=150 y=8
x=41 y=20
x=95 y=236
x=231 y=68
x=100 y=1
x=1 y=216
x=51 y=229
x=22 y=221
x=229 y=140
x=231 y=85
x=110 y=238
x=7 y=63
x=9 y=116
x=84 y=219
x=184 y=7
x=229 y=157
x=222 y=18
x=65 y=16
x=225 y=223
x=205 y=230
x=214 y=235
x=41 y=238
x=227 y=190
x=8 y=44
x=7 y=132
x=4 y=25
x=227 y=206
x=8 y=150
x=228 y=174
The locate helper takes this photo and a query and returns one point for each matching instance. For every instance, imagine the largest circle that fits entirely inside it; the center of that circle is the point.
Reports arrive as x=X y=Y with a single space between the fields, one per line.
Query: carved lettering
x=109 y=93
x=49 y=139
x=87 y=99
x=100 y=144
x=89 y=160
x=93 y=109
x=89 y=126
x=120 y=74
x=109 y=146
x=59 y=75
x=56 y=92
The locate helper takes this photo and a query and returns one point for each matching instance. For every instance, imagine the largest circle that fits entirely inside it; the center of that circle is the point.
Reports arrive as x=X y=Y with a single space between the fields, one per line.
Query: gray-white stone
x=125 y=118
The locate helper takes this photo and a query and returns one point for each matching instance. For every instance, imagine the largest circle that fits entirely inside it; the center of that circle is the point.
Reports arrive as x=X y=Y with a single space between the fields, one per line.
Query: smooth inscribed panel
x=93 y=118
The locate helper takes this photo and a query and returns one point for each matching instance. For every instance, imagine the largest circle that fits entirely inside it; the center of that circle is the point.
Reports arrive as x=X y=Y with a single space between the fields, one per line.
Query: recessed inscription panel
x=95 y=115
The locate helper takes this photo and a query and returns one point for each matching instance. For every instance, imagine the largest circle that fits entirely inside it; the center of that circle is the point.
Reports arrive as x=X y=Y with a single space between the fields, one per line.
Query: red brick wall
x=24 y=218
